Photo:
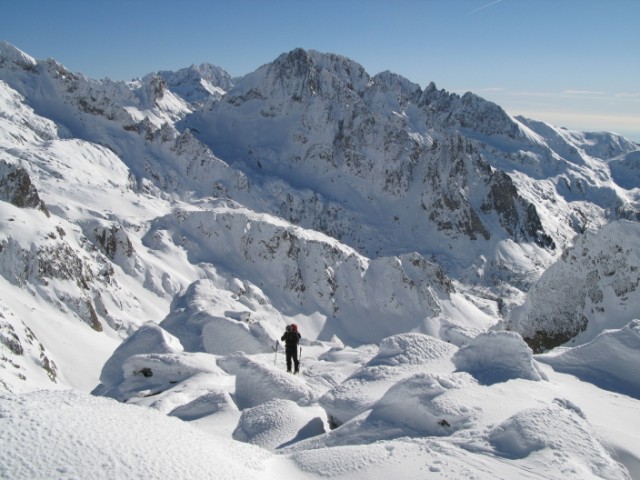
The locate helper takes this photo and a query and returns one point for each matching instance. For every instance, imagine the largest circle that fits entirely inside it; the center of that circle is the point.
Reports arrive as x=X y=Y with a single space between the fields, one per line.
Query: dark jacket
x=291 y=339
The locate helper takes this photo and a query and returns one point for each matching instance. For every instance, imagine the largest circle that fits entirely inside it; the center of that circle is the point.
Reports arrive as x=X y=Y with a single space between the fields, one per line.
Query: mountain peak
x=197 y=83
x=10 y=53
x=317 y=69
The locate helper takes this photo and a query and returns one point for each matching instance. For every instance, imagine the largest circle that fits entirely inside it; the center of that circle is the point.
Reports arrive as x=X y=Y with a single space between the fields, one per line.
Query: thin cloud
x=589 y=121
x=534 y=94
x=627 y=95
x=582 y=92
x=490 y=89
x=478 y=91
x=490 y=4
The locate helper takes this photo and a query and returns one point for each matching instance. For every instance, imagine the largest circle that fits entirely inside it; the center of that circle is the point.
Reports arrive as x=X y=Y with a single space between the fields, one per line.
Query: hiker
x=291 y=338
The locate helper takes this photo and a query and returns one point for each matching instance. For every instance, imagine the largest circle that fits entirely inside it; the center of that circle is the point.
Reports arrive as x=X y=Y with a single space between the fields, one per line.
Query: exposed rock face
x=517 y=216
x=17 y=189
x=22 y=345
x=54 y=260
x=589 y=287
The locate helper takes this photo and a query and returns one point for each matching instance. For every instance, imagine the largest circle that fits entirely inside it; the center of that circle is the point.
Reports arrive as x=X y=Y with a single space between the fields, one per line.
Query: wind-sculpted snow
x=611 y=360
x=153 y=376
x=495 y=357
x=257 y=382
x=399 y=357
x=276 y=423
x=149 y=338
x=558 y=429
x=224 y=320
x=202 y=396
x=411 y=349
x=425 y=415
x=420 y=404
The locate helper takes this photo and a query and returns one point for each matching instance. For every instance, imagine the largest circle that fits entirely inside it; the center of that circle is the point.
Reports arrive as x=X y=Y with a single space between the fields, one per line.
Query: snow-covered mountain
x=592 y=287
x=195 y=215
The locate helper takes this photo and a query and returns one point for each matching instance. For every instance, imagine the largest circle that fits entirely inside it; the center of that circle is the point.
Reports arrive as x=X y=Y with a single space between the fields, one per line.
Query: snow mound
x=201 y=396
x=345 y=354
x=494 y=357
x=222 y=321
x=399 y=357
x=149 y=338
x=610 y=361
x=151 y=374
x=411 y=349
x=421 y=404
x=43 y=435
x=567 y=438
x=258 y=383
x=277 y=423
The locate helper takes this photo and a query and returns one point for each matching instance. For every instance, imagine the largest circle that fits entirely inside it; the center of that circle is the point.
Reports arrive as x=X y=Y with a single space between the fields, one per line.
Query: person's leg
x=296 y=361
x=289 y=360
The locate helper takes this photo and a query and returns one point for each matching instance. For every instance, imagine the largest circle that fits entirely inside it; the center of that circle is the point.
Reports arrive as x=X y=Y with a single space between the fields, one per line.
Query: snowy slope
x=175 y=224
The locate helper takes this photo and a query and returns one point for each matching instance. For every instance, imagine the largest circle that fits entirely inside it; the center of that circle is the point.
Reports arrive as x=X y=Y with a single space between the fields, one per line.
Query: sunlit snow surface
x=161 y=277
x=193 y=418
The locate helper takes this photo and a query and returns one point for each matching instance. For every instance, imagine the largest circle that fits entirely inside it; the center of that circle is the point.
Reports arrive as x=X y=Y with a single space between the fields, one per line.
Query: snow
x=70 y=434
x=162 y=276
x=610 y=360
x=592 y=287
x=494 y=357
x=149 y=338
x=551 y=430
x=276 y=423
x=425 y=423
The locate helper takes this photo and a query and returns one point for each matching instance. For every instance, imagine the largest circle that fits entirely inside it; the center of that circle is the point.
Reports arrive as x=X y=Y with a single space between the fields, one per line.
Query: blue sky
x=574 y=63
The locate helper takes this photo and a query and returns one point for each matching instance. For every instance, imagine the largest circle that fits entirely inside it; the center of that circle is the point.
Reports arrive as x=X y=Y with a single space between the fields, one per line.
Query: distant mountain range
x=360 y=206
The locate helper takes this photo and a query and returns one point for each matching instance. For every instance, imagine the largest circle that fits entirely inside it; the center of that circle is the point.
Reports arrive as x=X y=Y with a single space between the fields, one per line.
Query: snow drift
x=610 y=360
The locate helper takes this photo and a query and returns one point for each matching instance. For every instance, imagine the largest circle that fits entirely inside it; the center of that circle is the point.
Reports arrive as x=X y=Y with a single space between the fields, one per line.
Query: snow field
x=353 y=410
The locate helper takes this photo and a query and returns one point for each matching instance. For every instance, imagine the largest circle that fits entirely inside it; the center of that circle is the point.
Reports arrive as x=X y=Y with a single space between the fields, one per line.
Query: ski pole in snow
x=275 y=349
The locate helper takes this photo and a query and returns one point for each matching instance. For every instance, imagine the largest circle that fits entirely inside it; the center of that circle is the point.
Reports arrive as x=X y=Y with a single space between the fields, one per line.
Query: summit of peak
x=14 y=54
